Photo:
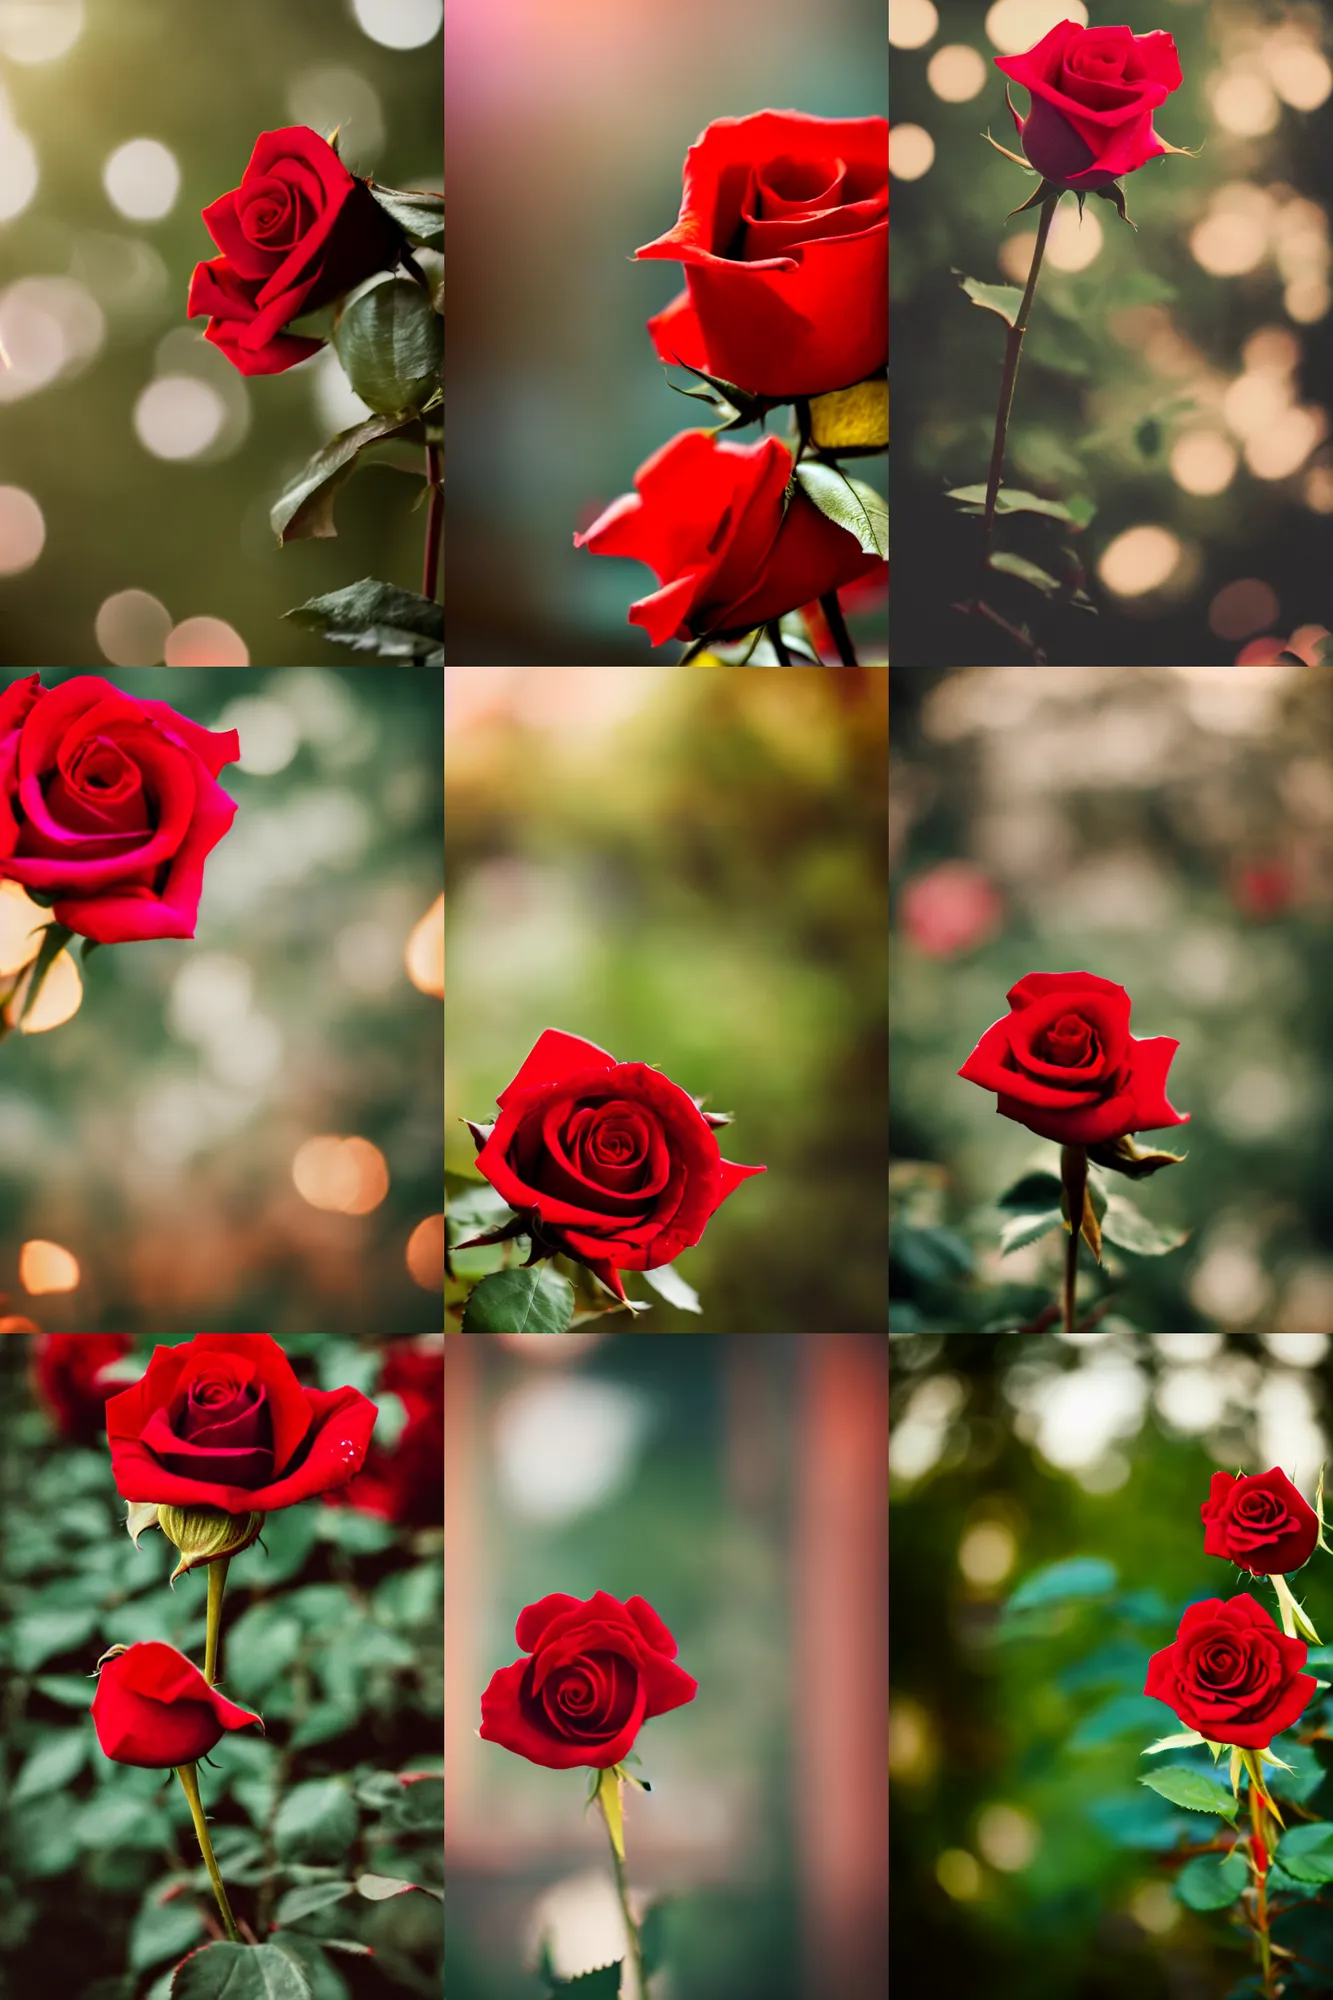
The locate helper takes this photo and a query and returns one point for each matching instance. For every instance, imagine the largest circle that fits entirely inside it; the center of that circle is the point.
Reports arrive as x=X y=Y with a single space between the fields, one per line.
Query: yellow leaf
x=609 y=1799
x=856 y=416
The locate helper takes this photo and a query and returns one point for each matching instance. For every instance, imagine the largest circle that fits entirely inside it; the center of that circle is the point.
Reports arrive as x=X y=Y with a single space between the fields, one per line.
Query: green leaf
x=326 y=1981
x=374 y=617
x=1307 y=1852
x=418 y=212
x=164 y=1930
x=667 y=1282
x=652 y=1937
x=603 y=1984
x=1002 y=299
x=1191 y=1789
x=1080 y=507
x=311 y=1896
x=1212 y=1881
x=87 y=946
x=1072 y=1581
x=305 y=509
x=1020 y=1230
x=241 y=1972
x=1025 y=571
x=40 y=1635
x=284 y=1547
x=51 y=1765
x=849 y=502
x=535 y=1300
x=1033 y=1192
x=1012 y=500
x=390 y=341
x=1184 y=1740
x=259 y=1649
x=378 y=1888
x=1125 y=1225
x=317 y=1821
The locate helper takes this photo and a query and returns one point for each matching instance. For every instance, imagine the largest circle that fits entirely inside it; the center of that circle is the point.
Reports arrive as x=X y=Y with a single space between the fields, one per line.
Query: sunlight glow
x=1300 y=75
x=22 y=530
x=1283 y=446
x=47 y=1267
x=425 y=1254
x=1243 y=103
x=132 y=628
x=1139 y=560
x=142 y=179
x=912 y=23
x=911 y=152
x=1203 y=462
x=205 y=642
x=957 y=73
x=349 y=1176
x=399 y=24
x=38 y=31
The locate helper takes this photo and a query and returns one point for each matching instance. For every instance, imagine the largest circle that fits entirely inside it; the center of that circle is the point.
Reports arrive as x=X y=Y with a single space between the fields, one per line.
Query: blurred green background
x=331 y=1632
x=568 y=130
x=153 y=1137
x=1169 y=830
x=1032 y=1862
x=737 y=1485
x=1180 y=377
x=688 y=869
x=149 y=461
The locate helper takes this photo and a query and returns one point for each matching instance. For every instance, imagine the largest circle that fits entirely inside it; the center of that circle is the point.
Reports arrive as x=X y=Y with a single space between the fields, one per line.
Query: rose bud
x=1094 y=92
x=154 y=1708
x=1260 y=1522
x=1230 y=1673
x=599 y=1669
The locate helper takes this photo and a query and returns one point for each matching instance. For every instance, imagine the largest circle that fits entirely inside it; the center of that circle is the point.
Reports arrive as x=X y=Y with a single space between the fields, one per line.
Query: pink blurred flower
x=1305 y=642
x=952 y=908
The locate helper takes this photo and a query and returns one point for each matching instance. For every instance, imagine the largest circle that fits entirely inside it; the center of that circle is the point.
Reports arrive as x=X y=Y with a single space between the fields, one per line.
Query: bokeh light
x=957 y=1871
x=912 y=23
x=1319 y=489
x=911 y=152
x=330 y=96
x=424 y=956
x=205 y=642
x=425 y=1254
x=59 y=999
x=47 y=1267
x=957 y=73
x=1228 y=243
x=1141 y=559
x=131 y=629
x=987 y=1553
x=178 y=416
x=48 y=327
x=270 y=733
x=1283 y=446
x=22 y=530
x=1008 y=1837
x=348 y=1176
x=1203 y=462
x=19 y=173
x=1300 y=74
x=1244 y=103
x=399 y=24
x=1015 y=25
x=1244 y=607
x=142 y=179
x=38 y=31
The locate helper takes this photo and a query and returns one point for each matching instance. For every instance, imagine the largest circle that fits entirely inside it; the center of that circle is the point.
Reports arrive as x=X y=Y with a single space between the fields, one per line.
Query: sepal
x=206 y=1534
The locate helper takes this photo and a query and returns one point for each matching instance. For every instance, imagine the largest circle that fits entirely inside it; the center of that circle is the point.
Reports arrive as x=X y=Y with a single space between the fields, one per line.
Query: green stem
x=217 y=1583
x=190 y=1784
x=1074 y=1176
x=776 y=641
x=1254 y=1763
x=837 y=625
x=1013 y=349
x=631 y=1928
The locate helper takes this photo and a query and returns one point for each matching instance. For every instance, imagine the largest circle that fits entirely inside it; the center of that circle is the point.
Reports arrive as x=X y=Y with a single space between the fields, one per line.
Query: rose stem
x=635 y=1946
x=190 y=1782
x=776 y=641
x=430 y=574
x=1258 y=1840
x=217 y=1583
x=1012 y=350
x=837 y=625
x=1074 y=1175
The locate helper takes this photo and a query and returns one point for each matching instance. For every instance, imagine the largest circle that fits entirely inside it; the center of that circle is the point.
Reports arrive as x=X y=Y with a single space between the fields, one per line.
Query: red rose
x=1231 y=1674
x=610 y=1162
x=298 y=232
x=1260 y=1523
x=784 y=234
x=73 y=1376
x=221 y=1421
x=599 y=1669
x=404 y=1482
x=1064 y=1063
x=1094 y=92
x=109 y=806
x=708 y=517
x=154 y=1708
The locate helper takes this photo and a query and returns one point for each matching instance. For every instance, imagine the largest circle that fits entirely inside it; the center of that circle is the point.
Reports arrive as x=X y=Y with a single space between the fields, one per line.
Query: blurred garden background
x=567 y=133
x=331 y=1632
x=1179 y=379
x=737 y=1485
x=1031 y=1861
x=137 y=466
x=1171 y=830
x=688 y=869
x=242 y=1131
